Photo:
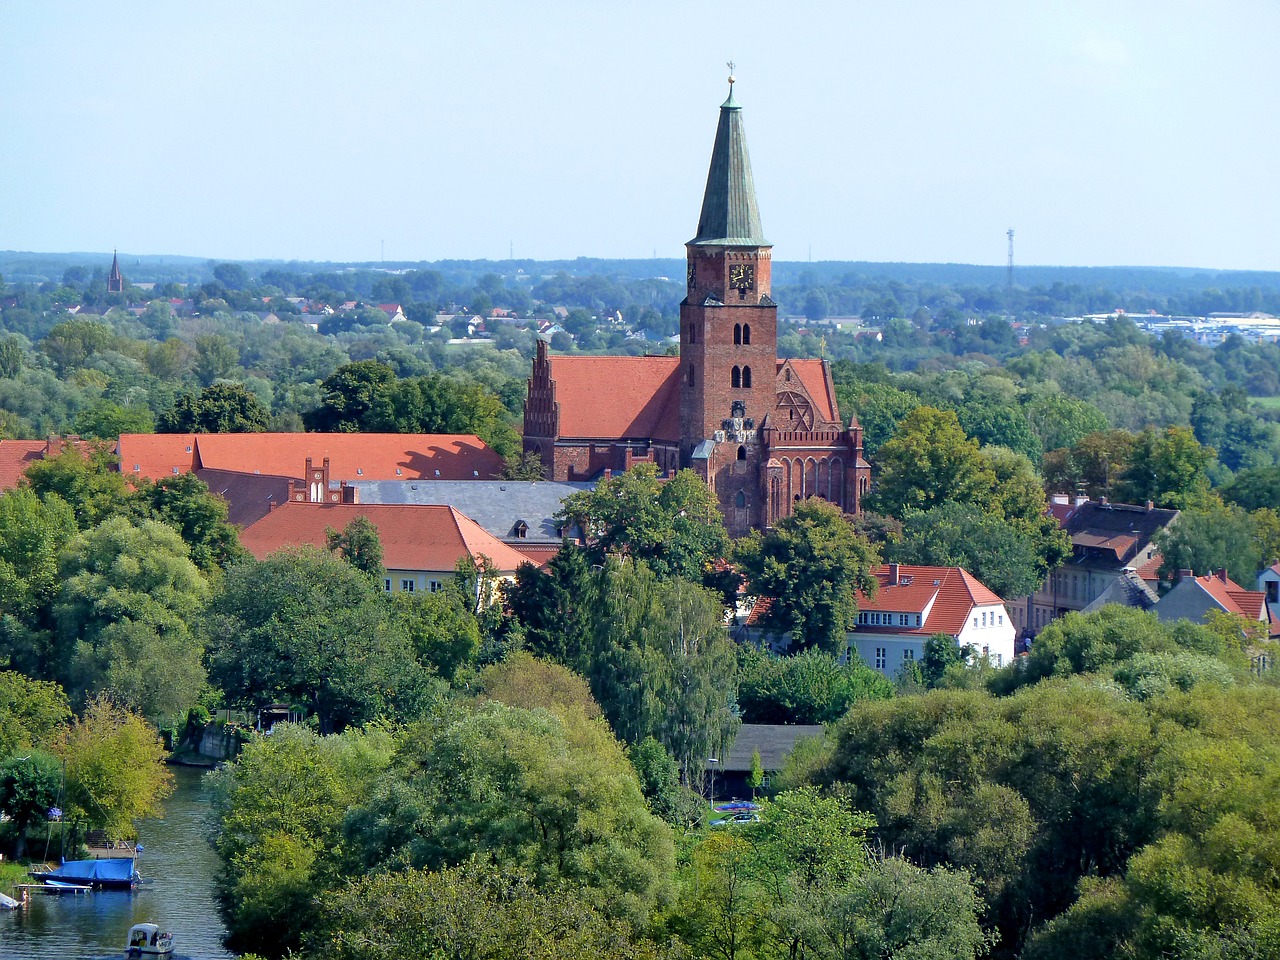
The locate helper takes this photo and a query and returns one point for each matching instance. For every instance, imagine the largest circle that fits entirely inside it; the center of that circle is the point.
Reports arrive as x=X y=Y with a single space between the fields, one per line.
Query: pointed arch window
x=735 y=378
x=740 y=500
x=742 y=453
x=737 y=334
x=693 y=334
x=746 y=334
x=746 y=377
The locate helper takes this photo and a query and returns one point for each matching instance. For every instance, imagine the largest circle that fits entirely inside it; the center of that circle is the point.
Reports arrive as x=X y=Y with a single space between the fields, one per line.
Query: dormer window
x=521 y=530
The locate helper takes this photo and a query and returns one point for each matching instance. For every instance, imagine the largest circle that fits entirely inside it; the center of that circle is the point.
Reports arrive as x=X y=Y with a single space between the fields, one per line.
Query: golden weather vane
x=730 y=65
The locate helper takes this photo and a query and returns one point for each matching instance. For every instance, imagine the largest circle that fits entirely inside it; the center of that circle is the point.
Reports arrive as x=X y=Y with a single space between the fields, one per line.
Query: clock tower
x=728 y=332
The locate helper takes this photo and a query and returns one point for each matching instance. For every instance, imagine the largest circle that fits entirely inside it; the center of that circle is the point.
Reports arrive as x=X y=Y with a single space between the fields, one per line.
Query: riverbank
x=12 y=874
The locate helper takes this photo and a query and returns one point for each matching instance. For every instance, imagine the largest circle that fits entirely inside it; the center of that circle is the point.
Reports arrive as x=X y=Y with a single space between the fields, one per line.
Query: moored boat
x=148 y=940
x=109 y=873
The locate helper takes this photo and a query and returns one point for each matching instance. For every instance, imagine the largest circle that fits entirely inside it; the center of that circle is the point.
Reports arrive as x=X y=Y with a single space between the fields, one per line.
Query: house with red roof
x=764 y=432
x=254 y=471
x=915 y=602
x=1193 y=598
x=17 y=455
x=421 y=544
x=912 y=603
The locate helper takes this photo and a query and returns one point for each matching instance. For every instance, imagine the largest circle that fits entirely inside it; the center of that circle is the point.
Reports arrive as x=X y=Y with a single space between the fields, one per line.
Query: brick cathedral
x=764 y=432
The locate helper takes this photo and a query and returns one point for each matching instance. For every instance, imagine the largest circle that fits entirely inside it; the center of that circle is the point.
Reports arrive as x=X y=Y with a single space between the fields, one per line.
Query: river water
x=178 y=865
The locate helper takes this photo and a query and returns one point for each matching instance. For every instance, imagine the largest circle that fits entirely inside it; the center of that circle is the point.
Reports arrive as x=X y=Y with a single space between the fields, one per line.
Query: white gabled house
x=913 y=603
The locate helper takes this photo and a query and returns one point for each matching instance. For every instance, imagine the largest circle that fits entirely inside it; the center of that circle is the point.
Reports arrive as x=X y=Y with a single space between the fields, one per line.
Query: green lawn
x=1266 y=403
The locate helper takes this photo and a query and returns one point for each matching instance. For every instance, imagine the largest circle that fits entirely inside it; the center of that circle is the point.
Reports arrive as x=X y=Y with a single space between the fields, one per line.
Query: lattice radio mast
x=1008 y=279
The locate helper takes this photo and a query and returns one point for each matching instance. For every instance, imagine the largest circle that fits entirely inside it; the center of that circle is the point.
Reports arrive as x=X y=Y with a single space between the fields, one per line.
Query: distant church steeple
x=115 y=279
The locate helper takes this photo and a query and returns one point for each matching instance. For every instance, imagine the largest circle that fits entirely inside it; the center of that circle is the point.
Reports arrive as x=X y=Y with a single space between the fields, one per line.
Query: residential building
x=915 y=602
x=773 y=741
x=1194 y=598
x=762 y=431
x=912 y=604
x=520 y=513
x=1107 y=539
x=421 y=545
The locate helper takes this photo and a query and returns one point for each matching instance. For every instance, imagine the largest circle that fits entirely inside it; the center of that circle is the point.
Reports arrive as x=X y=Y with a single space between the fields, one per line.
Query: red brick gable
x=413 y=537
x=617 y=398
x=812 y=375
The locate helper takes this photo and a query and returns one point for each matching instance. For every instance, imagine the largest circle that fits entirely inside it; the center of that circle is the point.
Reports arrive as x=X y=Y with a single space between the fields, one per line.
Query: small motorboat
x=148 y=940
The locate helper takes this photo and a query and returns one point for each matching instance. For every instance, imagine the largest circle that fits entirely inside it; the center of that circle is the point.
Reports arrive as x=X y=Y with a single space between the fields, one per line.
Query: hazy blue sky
x=1104 y=133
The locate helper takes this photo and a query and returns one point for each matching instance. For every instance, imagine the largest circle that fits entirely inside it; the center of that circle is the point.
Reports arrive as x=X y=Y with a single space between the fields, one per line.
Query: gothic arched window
x=746 y=333
x=746 y=376
x=693 y=333
x=737 y=334
x=740 y=500
x=742 y=453
x=735 y=378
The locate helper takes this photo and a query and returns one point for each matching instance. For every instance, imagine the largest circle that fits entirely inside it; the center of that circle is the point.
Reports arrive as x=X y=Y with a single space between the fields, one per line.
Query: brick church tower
x=763 y=433
x=728 y=331
x=115 y=279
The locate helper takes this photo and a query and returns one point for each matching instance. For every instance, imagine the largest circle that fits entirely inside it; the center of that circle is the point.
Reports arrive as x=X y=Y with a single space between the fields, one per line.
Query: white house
x=913 y=603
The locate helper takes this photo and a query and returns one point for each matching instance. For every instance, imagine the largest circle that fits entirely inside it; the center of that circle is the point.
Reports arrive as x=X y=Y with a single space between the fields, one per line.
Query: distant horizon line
x=410 y=263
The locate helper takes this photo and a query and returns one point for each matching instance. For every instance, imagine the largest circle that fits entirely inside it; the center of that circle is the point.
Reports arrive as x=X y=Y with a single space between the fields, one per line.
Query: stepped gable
x=432 y=538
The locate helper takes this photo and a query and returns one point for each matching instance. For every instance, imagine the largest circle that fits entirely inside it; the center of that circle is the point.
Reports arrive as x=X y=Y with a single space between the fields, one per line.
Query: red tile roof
x=617 y=397
x=352 y=456
x=156 y=455
x=1150 y=571
x=948 y=593
x=16 y=456
x=1232 y=597
x=414 y=537
x=954 y=593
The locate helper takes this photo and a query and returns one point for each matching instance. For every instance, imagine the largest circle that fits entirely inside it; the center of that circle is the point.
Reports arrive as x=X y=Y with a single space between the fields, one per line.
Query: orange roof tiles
x=16 y=456
x=156 y=455
x=352 y=456
x=954 y=593
x=617 y=397
x=1232 y=597
x=416 y=537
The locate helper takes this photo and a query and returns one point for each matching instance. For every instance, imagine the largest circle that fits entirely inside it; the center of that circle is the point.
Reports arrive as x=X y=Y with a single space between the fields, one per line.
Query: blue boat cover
x=109 y=870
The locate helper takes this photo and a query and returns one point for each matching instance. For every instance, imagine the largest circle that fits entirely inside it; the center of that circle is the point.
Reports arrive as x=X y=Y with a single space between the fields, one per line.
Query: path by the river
x=179 y=865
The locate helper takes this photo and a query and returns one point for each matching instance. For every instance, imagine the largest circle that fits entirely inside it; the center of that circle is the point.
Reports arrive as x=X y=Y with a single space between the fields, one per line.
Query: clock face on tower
x=742 y=277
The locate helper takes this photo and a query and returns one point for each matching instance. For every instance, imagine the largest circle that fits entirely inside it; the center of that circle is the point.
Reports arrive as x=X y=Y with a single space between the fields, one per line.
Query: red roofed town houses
x=17 y=455
x=911 y=605
x=763 y=432
x=1193 y=598
x=254 y=471
x=420 y=544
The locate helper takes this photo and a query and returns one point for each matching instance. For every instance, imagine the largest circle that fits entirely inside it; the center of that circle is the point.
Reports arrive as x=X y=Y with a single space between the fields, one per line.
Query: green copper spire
x=730 y=216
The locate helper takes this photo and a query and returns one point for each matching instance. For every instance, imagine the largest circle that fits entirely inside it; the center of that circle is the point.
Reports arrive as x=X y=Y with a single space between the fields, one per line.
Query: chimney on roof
x=1150 y=506
x=1060 y=499
x=1185 y=574
x=1103 y=501
x=1222 y=575
x=893 y=574
x=1081 y=500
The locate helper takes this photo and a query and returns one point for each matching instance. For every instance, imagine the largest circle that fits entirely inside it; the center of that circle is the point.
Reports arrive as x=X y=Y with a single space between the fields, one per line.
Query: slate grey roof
x=497 y=505
x=774 y=741
x=730 y=216
x=1128 y=590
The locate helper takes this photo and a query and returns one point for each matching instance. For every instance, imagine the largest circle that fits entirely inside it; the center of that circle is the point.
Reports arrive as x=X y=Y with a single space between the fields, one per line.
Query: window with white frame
x=386 y=584
x=882 y=657
x=435 y=586
x=908 y=654
x=406 y=585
